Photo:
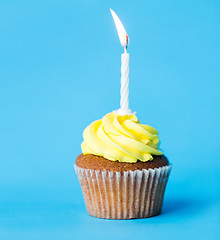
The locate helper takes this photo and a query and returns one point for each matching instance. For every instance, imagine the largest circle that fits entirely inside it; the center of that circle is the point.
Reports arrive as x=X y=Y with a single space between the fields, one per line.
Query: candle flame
x=123 y=36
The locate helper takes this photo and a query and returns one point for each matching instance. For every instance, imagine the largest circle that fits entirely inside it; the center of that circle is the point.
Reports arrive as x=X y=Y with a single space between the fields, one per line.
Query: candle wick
x=126 y=44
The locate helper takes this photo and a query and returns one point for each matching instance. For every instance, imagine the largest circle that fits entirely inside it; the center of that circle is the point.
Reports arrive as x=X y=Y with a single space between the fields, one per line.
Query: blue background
x=60 y=70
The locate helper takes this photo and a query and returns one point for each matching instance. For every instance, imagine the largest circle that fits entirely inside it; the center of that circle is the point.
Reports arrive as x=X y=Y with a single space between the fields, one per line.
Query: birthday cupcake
x=122 y=172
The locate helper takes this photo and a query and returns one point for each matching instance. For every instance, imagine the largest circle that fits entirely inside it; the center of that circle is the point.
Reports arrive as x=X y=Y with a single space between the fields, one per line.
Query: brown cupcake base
x=123 y=195
x=90 y=161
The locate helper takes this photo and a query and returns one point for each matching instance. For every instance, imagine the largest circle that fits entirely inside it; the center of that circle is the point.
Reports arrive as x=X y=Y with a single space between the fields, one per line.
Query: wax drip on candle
x=123 y=37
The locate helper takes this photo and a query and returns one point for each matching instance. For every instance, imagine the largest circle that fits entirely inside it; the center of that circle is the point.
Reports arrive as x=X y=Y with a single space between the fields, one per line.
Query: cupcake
x=122 y=172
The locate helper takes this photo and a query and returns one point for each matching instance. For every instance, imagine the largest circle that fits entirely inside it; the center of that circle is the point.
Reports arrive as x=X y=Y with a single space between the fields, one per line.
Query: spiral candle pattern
x=124 y=103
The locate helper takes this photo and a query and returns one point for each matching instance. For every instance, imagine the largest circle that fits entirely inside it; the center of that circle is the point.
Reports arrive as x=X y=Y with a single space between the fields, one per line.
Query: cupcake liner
x=126 y=195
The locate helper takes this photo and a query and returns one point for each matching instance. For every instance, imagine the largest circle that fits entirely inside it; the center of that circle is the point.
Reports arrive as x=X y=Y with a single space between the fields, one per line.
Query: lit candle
x=123 y=37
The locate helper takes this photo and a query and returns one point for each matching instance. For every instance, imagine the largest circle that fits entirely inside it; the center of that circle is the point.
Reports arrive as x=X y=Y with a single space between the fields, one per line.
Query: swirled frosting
x=121 y=138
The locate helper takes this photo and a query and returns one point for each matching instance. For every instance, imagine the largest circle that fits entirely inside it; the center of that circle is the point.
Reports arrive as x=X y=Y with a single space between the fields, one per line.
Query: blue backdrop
x=60 y=70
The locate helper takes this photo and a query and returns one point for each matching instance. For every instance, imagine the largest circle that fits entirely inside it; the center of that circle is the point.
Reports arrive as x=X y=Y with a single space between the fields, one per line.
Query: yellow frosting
x=121 y=138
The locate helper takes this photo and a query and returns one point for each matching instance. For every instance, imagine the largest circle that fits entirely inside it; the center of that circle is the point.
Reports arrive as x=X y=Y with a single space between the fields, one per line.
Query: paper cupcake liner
x=116 y=195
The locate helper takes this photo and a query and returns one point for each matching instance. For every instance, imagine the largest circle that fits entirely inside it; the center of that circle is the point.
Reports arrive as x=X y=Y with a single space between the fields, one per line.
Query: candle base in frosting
x=123 y=112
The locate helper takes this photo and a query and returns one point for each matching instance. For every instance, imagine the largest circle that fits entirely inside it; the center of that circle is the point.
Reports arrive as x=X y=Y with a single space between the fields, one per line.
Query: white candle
x=124 y=103
x=123 y=37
